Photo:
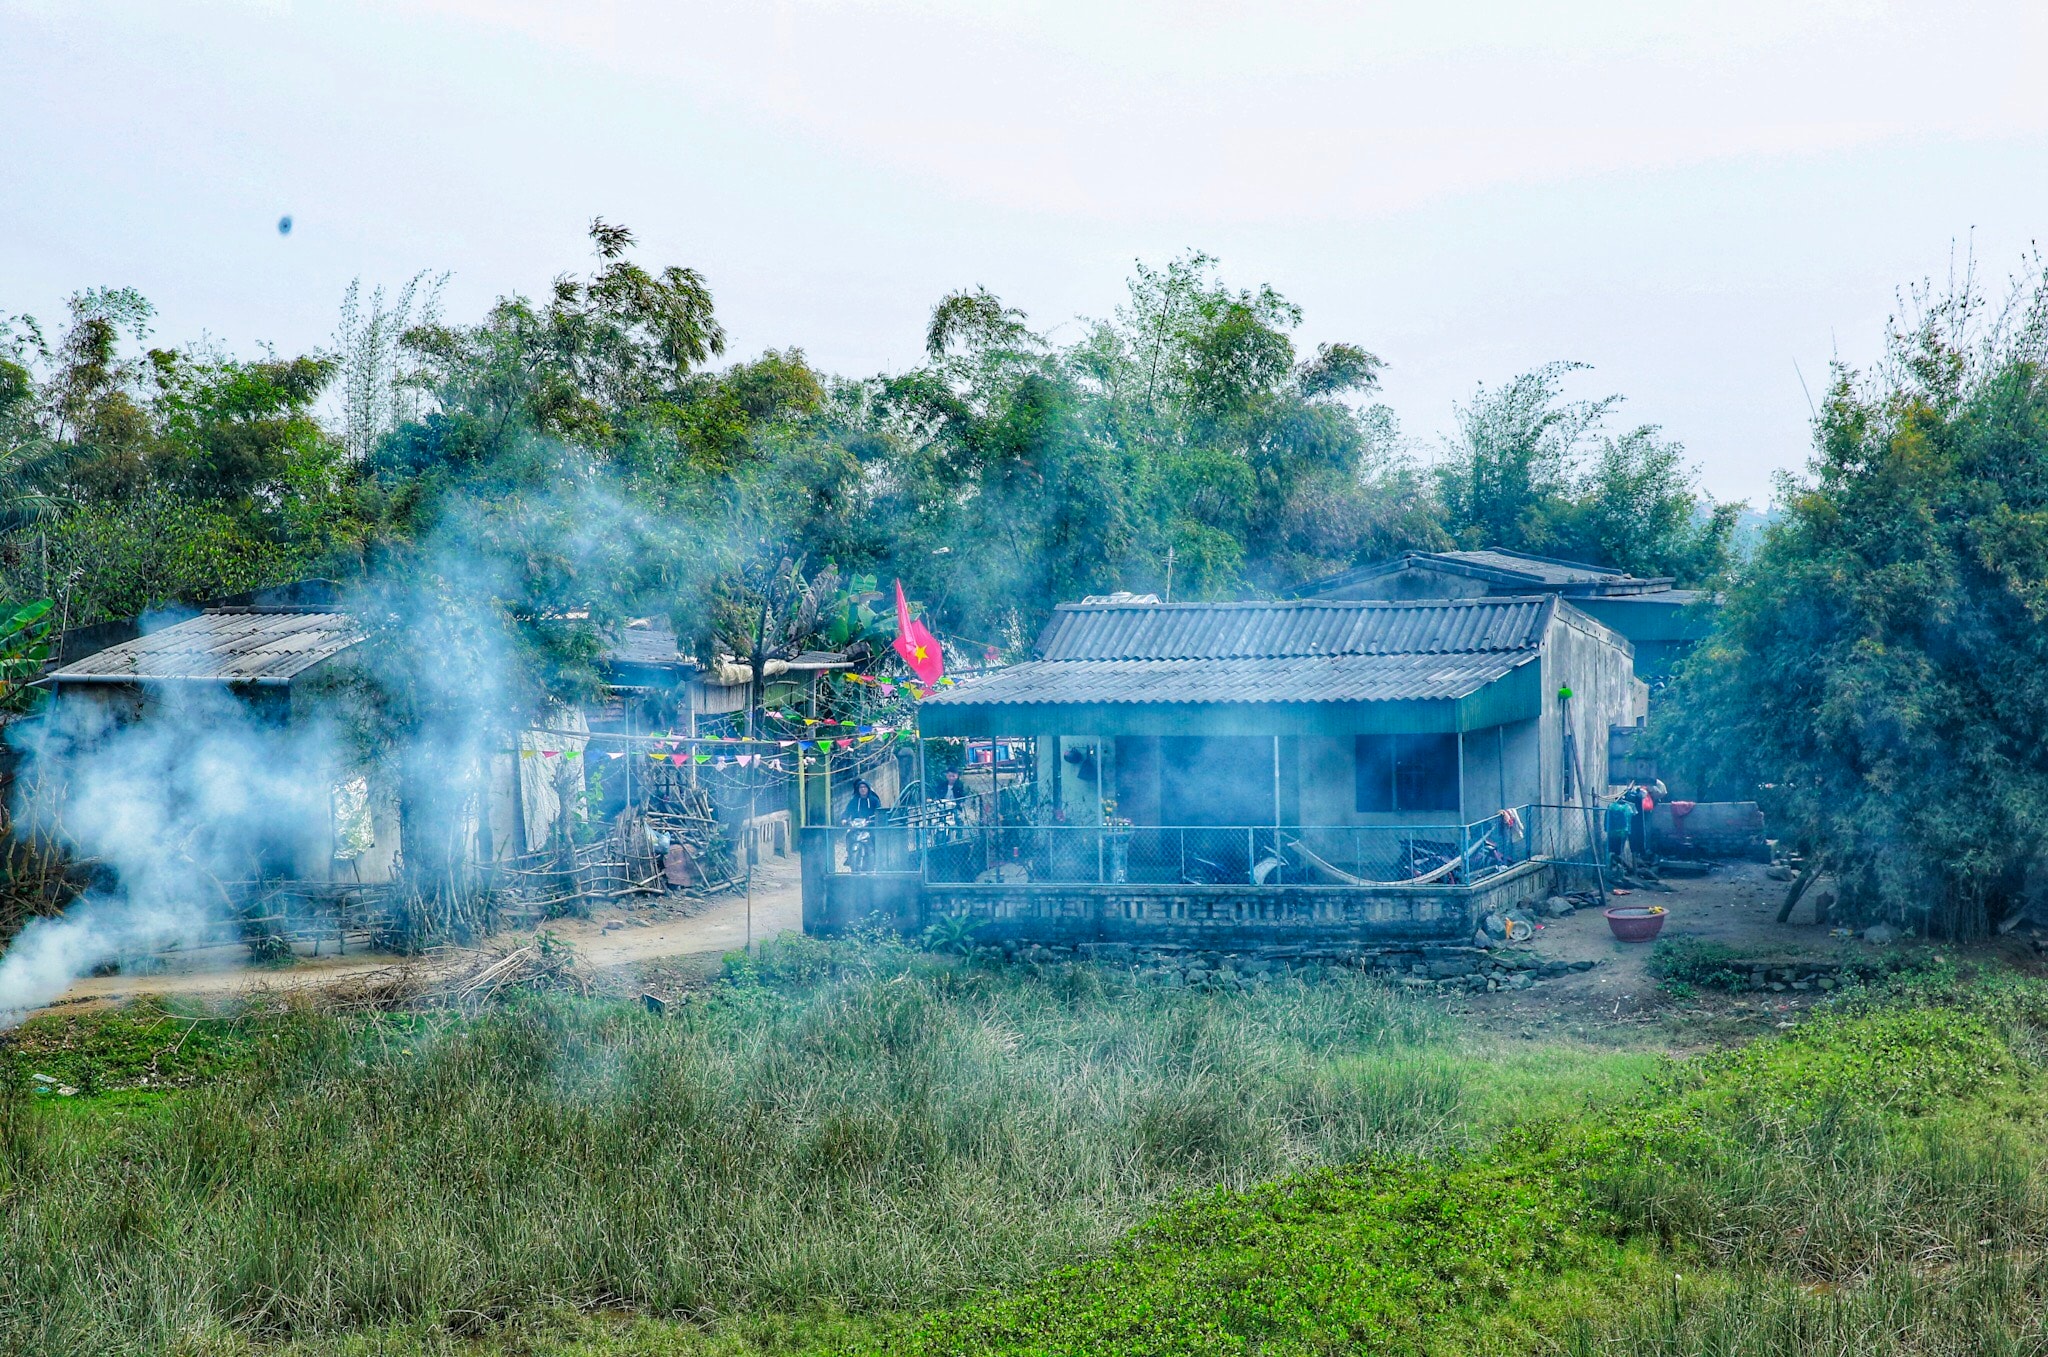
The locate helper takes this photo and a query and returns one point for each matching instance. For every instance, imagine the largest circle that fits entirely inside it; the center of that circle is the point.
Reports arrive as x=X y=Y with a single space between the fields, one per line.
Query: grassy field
x=861 y=1149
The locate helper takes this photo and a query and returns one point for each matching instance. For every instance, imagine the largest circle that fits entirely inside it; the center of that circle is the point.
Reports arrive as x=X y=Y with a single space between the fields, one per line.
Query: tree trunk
x=441 y=900
x=1805 y=878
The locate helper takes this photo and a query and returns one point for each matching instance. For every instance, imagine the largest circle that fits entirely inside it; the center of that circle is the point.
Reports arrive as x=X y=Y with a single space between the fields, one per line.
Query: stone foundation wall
x=1213 y=918
x=1441 y=969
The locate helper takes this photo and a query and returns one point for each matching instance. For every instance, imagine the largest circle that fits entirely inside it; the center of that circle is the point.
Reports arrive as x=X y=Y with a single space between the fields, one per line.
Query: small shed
x=245 y=670
x=1661 y=622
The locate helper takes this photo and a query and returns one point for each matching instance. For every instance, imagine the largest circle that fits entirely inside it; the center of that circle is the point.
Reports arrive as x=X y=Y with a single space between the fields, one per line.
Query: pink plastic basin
x=1636 y=923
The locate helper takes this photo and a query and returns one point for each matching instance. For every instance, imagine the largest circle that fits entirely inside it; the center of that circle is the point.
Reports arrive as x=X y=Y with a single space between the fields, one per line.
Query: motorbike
x=860 y=846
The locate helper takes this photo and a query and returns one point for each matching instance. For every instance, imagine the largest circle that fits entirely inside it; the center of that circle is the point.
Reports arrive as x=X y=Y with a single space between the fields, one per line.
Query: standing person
x=1621 y=813
x=956 y=790
x=1639 y=828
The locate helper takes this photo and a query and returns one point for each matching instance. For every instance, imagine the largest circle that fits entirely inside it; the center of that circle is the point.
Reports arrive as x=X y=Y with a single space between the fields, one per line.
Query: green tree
x=1186 y=427
x=134 y=477
x=1879 y=673
x=577 y=365
x=1532 y=471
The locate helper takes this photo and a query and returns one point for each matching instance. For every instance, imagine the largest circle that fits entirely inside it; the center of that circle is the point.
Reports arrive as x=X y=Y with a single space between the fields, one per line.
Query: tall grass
x=886 y=1137
x=1992 y=1307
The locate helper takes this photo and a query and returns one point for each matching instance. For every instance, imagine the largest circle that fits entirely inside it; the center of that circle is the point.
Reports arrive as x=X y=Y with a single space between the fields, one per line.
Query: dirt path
x=1615 y=1001
x=1737 y=906
x=611 y=940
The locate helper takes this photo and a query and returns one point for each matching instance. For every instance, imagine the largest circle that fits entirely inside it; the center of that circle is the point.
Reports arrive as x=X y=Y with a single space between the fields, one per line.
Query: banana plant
x=24 y=646
x=854 y=618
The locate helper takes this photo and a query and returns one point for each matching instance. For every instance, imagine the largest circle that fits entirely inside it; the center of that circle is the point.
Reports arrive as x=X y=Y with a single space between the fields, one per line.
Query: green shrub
x=1697 y=963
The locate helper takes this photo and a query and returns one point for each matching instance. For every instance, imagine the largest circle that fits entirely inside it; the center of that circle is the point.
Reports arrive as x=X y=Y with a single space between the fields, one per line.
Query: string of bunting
x=683 y=750
x=889 y=688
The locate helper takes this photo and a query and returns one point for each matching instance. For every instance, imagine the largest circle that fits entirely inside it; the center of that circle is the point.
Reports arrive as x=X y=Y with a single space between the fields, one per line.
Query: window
x=1407 y=773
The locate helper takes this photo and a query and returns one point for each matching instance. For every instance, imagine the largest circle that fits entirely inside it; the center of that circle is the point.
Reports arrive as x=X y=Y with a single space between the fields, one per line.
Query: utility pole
x=1169 y=574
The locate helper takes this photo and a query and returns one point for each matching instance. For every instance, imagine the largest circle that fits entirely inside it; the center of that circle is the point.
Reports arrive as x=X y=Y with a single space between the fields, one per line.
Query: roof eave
x=260 y=681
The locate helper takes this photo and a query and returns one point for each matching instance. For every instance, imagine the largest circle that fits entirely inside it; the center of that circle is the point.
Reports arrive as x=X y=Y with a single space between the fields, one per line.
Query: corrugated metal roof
x=1537 y=567
x=1313 y=651
x=1319 y=678
x=1661 y=598
x=648 y=644
x=1503 y=572
x=227 y=645
x=1217 y=631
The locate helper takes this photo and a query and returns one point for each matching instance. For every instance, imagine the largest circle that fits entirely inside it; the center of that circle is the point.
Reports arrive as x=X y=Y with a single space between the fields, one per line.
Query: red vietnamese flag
x=918 y=647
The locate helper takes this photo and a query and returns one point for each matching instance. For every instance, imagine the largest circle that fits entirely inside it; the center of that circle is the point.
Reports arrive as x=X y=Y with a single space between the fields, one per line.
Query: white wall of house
x=1598 y=665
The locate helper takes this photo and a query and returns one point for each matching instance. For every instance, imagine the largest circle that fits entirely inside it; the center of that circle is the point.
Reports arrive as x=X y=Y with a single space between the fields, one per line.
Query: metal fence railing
x=988 y=851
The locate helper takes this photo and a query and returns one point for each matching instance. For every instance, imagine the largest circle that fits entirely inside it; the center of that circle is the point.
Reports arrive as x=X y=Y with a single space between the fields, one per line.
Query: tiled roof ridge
x=1354 y=604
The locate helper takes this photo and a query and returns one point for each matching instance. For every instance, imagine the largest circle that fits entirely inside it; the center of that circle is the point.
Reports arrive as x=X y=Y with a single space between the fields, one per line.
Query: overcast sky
x=1702 y=200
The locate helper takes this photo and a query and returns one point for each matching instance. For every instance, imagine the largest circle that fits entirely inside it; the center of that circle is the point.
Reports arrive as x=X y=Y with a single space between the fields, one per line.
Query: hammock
x=1345 y=878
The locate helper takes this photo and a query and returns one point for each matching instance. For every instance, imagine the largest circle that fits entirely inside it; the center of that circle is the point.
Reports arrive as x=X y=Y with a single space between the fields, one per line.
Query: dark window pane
x=1407 y=773
x=1375 y=772
x=1426 y=772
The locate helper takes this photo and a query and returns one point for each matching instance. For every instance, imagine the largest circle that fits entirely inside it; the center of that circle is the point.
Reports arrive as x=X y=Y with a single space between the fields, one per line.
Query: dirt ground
x=667 y=949
x=1737 y=906
x=617 y=943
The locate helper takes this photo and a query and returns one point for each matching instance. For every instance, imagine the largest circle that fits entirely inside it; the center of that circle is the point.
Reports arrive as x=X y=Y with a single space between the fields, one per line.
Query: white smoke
x=177 y=802
x=171 y=805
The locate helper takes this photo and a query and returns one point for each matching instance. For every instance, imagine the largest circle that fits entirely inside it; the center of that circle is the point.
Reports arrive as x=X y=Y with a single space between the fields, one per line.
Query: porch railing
x=1331 y=855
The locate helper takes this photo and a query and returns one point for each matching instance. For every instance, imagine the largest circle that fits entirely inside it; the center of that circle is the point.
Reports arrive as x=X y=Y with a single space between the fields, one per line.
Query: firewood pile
x=458 y=979
x=541 y=965
x=698 y=857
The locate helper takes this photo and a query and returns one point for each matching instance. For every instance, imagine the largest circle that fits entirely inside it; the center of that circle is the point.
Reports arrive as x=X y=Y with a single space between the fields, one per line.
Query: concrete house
x=1354 y=767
